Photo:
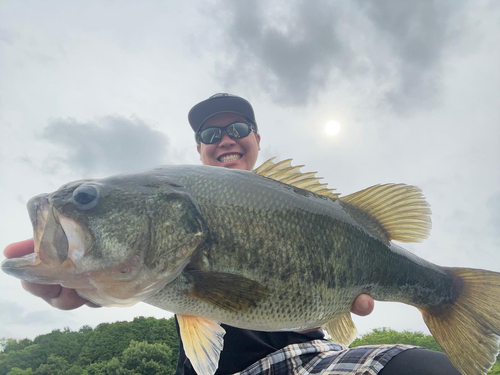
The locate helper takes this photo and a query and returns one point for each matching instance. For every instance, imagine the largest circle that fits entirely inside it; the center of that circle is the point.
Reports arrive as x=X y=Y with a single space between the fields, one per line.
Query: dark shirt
x=243 y=347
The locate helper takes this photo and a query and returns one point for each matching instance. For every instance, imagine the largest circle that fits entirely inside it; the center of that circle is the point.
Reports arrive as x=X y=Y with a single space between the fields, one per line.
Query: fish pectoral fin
x=202 y=340
x=226 y=290
x=391 y=212
x=342 y=330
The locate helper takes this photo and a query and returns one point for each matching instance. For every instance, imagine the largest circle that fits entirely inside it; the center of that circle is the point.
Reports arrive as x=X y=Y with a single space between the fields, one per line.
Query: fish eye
x=86 y=197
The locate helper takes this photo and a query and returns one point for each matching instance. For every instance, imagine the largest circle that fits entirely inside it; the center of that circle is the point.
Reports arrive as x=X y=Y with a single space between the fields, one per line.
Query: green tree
x=496 y=368
x=31 y=356
x=96 y=351
x=110 y=340
x=26 y=353
x=145 y=358
x=65 y=344
x=76 y=370
x=107 y=341
x=98 y=368
x=18 y=371
x=115 y=367
x=12 y=345
x=389 y=336
x=54 y=366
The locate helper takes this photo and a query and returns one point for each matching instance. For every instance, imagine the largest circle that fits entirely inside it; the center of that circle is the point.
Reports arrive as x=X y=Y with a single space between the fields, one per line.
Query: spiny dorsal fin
x=393 y=211
x=286 y=173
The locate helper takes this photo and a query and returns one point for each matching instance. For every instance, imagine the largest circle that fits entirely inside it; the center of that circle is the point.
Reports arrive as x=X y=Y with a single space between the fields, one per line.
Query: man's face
x=229 y=153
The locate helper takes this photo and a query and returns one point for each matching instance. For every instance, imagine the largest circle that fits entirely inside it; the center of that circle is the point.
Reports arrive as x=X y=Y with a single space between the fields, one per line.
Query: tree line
x=143 y=346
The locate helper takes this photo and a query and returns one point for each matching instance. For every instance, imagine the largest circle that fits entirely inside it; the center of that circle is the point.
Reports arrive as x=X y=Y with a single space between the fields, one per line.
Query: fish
x=270 y=250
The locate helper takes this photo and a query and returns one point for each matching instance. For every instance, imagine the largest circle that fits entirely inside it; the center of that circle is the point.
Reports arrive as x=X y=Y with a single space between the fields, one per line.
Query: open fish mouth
x=60 y=244
x=59 y=240
x=51 y=241
x=63 y=255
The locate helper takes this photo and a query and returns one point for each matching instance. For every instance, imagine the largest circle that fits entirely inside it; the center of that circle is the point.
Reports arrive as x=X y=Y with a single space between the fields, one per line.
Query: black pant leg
x=419 y=362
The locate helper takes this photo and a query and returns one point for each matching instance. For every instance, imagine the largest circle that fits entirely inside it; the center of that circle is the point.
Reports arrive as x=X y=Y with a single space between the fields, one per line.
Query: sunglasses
x=235 y=130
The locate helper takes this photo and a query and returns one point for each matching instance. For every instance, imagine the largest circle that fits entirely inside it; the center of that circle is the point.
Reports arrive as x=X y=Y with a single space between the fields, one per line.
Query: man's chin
x=232 y=165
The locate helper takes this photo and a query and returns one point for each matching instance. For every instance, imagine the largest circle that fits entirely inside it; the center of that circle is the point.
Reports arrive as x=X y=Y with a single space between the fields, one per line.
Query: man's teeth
x=232 y=157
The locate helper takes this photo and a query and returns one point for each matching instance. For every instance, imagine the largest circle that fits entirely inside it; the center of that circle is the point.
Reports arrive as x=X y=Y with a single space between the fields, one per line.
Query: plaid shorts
x=324 y=357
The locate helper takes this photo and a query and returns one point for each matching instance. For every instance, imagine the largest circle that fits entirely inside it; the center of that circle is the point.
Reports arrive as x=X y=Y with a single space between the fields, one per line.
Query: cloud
x=7 y=37
x=417 y=34
x=111 y=144
x=287 y=53
x=13 y=314
x=297 y=50
x=10 y=312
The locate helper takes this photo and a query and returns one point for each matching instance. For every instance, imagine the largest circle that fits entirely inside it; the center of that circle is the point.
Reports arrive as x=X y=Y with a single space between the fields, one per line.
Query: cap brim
x=222 y=104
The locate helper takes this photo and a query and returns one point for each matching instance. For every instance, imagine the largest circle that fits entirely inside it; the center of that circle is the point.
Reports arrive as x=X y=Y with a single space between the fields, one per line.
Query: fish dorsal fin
x=393 y=211
x=203 y=340
x=286 y=173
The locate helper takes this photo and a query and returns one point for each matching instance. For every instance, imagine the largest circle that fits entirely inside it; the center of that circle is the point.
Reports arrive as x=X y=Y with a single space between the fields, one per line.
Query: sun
x=332 y=127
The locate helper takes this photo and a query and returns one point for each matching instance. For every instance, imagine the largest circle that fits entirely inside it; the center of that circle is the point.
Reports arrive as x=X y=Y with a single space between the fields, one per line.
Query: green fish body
x=271 y=250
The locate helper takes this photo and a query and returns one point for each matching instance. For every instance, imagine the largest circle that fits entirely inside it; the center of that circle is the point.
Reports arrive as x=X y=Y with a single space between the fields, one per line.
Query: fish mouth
x=51 y=242
x=62 y=249
x=58 y=239
x=63 y=256
x=59 y=242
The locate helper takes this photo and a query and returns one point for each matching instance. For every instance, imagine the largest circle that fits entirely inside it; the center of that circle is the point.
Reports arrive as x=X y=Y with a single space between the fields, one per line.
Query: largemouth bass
x=270 y=250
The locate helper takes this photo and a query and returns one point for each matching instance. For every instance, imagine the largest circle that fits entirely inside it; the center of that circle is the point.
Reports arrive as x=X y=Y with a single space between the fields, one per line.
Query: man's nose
x=226 y=141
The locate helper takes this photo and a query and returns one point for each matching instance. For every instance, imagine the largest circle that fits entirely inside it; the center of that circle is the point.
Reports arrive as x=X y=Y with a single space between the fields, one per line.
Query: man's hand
x=55 y=295
x=362 y=306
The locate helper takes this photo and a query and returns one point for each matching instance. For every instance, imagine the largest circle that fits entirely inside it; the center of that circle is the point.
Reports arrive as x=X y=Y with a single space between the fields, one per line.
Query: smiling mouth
x=229 y=157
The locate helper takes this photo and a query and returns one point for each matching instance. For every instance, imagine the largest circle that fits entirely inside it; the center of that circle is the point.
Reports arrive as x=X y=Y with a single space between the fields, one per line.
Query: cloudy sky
x=92 y=88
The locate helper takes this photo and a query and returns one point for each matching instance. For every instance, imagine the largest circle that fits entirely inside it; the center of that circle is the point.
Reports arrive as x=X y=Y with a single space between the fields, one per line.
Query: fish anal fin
x=202 y=340
x=342 y=330
x=226 y=290
x=392 y=211
x=285 y=173
x=471 y=321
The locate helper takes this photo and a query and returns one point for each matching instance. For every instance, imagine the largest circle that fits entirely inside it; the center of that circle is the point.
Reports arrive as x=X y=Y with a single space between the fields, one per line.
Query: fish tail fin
x=468 y=329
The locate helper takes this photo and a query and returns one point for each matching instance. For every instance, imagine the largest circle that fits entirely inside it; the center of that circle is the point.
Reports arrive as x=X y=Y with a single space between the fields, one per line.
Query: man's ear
x=257 y=136
x=198 y=147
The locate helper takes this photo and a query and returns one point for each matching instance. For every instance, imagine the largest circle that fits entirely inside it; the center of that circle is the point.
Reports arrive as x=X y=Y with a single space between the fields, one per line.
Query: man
x=227 y=136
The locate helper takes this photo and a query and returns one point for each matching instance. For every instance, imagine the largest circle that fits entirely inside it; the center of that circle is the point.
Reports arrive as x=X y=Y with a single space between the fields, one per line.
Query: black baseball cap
x=219 y=103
